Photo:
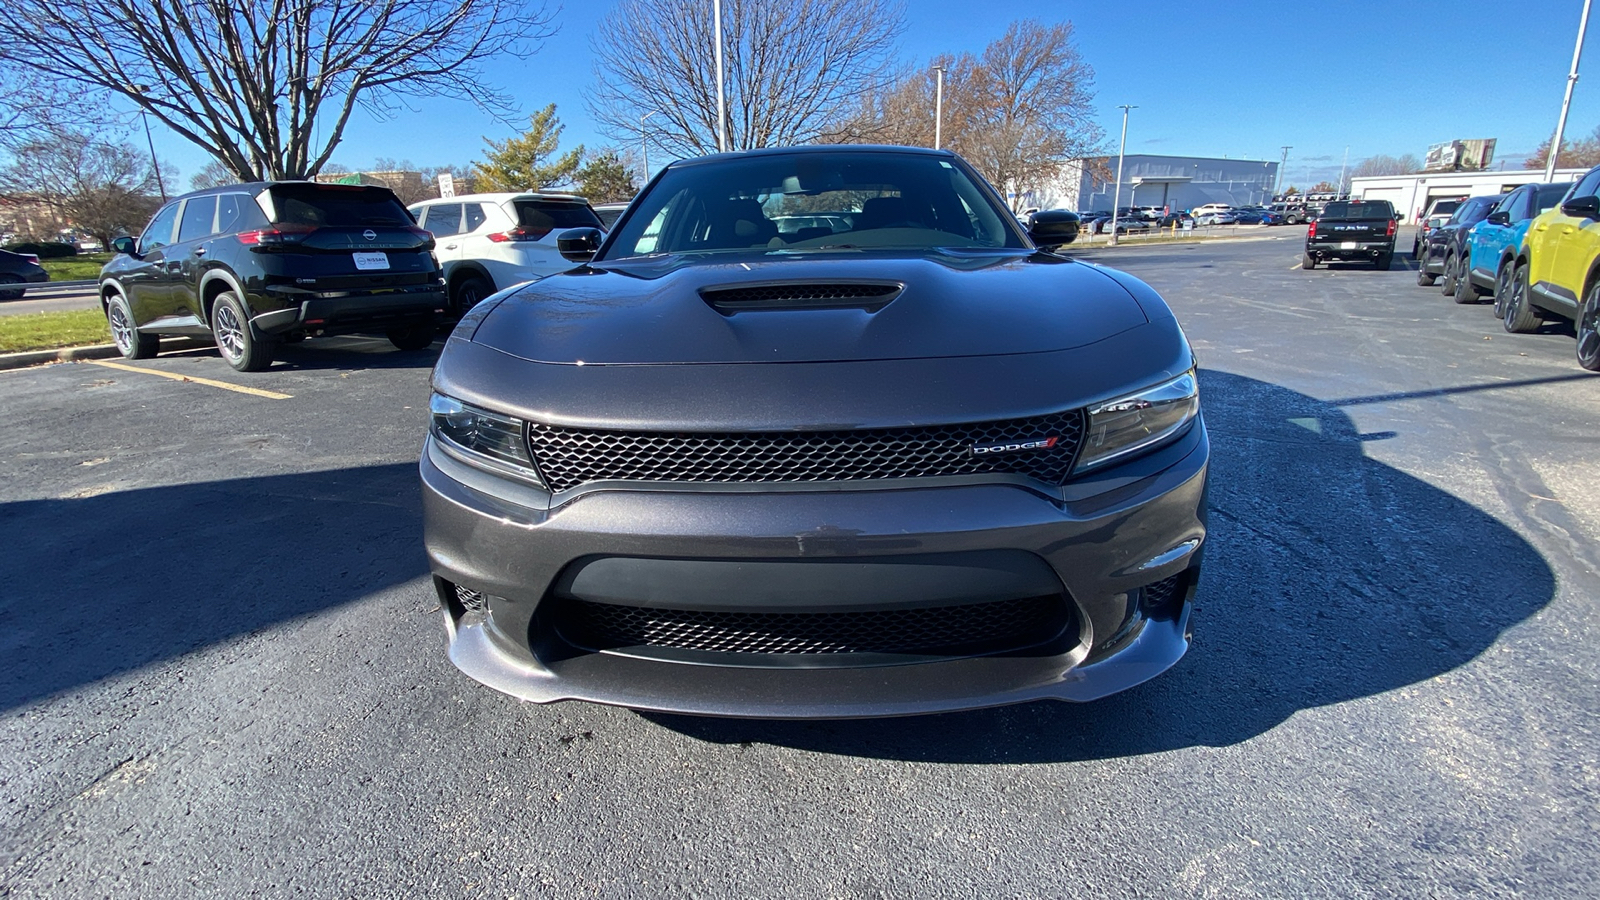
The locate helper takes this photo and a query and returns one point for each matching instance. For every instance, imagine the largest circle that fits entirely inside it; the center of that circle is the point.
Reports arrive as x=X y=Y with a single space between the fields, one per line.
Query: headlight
x=482 y=435
x=1139 y=421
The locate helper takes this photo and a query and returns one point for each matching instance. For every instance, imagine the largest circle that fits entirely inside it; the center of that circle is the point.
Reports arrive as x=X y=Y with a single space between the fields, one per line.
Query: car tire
x=239 y=346
x=1519 y=316
x=1588 y=326
x=1384 y=261
x=1308 y=262
x=1502 y=288
x=1424 y=279
x=469 y=292
x=1447 y=284
x=11 y=293
x=131 y=343
x=1465 y=291
x=415 y=338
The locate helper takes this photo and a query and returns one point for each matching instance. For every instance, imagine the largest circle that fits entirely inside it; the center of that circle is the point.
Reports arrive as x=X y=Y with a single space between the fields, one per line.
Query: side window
x=443 y=220
x=198 y=214
x=238 y=212
x=475 y=217
x=1589 y=186
x=158 y=233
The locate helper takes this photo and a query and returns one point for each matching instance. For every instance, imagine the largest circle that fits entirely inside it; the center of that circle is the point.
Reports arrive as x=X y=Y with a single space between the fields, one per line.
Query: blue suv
x=1493 y=243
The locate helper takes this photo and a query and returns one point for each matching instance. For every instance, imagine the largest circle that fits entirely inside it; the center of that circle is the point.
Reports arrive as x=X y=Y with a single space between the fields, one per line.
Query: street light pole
x=722 y=102
x=1281 y=167
x=644 y=142
x=938 y=107
x=1117 y=194
x=154 y=163
x=1566 y=101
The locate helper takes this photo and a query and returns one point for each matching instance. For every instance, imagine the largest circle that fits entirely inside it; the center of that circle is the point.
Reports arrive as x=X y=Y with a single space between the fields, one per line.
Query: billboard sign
x=1460 y=156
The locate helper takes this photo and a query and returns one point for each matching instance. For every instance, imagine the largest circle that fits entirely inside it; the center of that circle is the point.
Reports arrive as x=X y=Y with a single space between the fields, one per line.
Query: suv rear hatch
x=341 y=237
x=539 y=217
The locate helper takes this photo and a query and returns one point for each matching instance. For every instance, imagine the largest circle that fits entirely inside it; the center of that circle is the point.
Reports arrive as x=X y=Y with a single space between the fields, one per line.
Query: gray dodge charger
x=817 y=432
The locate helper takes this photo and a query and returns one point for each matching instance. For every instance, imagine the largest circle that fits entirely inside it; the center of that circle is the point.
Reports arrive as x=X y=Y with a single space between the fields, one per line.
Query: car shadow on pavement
x=1329 y=577
x=105 y=584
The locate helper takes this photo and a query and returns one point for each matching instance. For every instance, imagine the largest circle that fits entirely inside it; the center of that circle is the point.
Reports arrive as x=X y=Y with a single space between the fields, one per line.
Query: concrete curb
x=66 y=354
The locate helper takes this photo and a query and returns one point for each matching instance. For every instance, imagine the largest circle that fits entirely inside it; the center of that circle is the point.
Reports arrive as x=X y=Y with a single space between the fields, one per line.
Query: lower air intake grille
x=989 y=627
x=568 y=457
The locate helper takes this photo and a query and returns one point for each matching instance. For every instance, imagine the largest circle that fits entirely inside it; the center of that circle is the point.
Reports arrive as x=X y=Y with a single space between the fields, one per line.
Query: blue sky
x=1211 y=79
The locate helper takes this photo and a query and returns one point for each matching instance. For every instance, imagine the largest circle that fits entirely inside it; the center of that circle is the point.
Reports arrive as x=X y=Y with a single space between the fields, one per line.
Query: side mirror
x=1582 y=207
x=1499 y=217
x=579 y=244
x=125 y=245
x=1053 y=227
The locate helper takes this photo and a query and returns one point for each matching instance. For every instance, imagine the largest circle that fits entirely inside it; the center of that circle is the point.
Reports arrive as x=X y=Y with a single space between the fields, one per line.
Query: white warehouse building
x=1172 y=182
x=1411 y=194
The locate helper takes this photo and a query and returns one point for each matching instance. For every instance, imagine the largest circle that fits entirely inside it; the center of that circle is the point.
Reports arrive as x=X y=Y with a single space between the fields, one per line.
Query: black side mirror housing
x=1053 y=227
x=1499 y=217
x=125 y=245
x=1582 y=207
x=579 y=244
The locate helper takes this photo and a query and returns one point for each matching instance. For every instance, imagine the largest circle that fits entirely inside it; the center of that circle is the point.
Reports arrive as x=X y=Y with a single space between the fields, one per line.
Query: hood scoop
x=792 y=295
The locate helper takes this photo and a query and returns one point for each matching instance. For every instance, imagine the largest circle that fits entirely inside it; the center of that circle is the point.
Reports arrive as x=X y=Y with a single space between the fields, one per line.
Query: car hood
x=950 y=305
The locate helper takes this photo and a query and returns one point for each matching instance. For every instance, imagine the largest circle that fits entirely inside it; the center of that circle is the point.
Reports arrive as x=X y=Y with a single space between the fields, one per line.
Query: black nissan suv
x=253 y=265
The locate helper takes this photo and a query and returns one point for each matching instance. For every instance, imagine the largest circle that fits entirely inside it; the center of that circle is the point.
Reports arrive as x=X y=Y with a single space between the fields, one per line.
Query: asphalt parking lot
x=225 y=669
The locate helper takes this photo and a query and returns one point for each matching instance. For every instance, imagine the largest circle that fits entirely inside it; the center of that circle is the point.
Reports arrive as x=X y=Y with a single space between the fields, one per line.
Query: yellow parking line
x=254 y=392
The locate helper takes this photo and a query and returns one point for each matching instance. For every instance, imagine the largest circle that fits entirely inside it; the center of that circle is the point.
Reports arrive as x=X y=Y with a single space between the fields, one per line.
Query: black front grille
x=989 y=627
x=568 y=457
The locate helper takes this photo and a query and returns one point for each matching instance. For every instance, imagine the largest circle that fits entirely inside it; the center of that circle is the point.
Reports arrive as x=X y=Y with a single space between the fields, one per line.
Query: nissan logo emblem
x=370 y=235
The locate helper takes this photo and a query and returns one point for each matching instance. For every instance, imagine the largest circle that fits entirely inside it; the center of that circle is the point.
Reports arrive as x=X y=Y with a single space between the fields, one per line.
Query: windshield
x=847 y=200
x=336 y=206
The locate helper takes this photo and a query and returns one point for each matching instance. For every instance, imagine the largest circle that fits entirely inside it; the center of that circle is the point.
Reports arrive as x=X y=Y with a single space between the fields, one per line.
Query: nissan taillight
x=521 y=233
x=275 y=236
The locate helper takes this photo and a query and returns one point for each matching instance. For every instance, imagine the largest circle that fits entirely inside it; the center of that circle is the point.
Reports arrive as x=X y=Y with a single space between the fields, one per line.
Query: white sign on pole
x=447 y=185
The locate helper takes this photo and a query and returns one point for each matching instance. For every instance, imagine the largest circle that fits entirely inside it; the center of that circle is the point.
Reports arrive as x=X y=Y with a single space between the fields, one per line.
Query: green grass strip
x=53 y=330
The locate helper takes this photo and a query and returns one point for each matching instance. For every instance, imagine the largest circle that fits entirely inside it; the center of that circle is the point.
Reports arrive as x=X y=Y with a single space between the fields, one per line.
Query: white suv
x=487 y=242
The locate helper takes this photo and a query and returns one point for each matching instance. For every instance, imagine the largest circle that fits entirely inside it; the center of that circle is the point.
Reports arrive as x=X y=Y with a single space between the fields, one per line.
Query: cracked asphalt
x=224 y=673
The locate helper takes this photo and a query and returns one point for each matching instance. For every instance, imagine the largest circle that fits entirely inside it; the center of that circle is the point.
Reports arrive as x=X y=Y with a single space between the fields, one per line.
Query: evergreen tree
x=529 y=162
x=606 y=178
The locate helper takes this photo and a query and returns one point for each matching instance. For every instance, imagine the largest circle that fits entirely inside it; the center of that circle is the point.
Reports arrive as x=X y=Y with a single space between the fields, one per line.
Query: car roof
x=256 y=187
x=503 y=196
x=811 y=150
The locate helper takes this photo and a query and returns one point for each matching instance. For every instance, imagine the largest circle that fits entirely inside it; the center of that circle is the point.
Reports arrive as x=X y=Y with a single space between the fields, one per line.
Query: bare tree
x=31 y=111
x=1382 y=164
x=794 y=69
x=255 y=82
x=100 y=187
x=212 y=174
x=1018 y=112
x=1575 y=154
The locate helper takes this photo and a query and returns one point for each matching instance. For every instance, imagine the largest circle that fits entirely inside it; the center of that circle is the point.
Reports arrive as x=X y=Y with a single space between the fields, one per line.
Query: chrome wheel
x=121 y=328
x=229 y=332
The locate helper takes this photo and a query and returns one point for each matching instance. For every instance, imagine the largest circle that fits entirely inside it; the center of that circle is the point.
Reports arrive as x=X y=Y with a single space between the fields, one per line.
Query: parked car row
x=1536 y=251
x=254 y=266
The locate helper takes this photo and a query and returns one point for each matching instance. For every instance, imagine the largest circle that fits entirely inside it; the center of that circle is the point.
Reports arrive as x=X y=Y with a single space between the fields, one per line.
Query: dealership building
x=1172 y=182
x=1411 y=194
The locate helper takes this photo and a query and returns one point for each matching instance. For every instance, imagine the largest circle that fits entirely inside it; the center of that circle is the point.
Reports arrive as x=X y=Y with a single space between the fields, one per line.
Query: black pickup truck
x=1352 y=230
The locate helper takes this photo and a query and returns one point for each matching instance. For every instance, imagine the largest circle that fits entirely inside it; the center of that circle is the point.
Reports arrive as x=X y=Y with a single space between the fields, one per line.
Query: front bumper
x=1103 y=538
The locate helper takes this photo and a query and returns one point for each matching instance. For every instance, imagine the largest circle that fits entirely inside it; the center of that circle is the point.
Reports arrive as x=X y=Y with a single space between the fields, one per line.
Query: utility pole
x=1566 y=101
x=938 y=107
x=722 y=100
x=644 y=142
x=1339 y=188
x=1281 y=166
x=154 y=163
x=1117 y=194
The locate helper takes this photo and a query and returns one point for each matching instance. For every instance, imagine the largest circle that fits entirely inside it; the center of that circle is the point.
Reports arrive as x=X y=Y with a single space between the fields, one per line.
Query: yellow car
x=1558 y=271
